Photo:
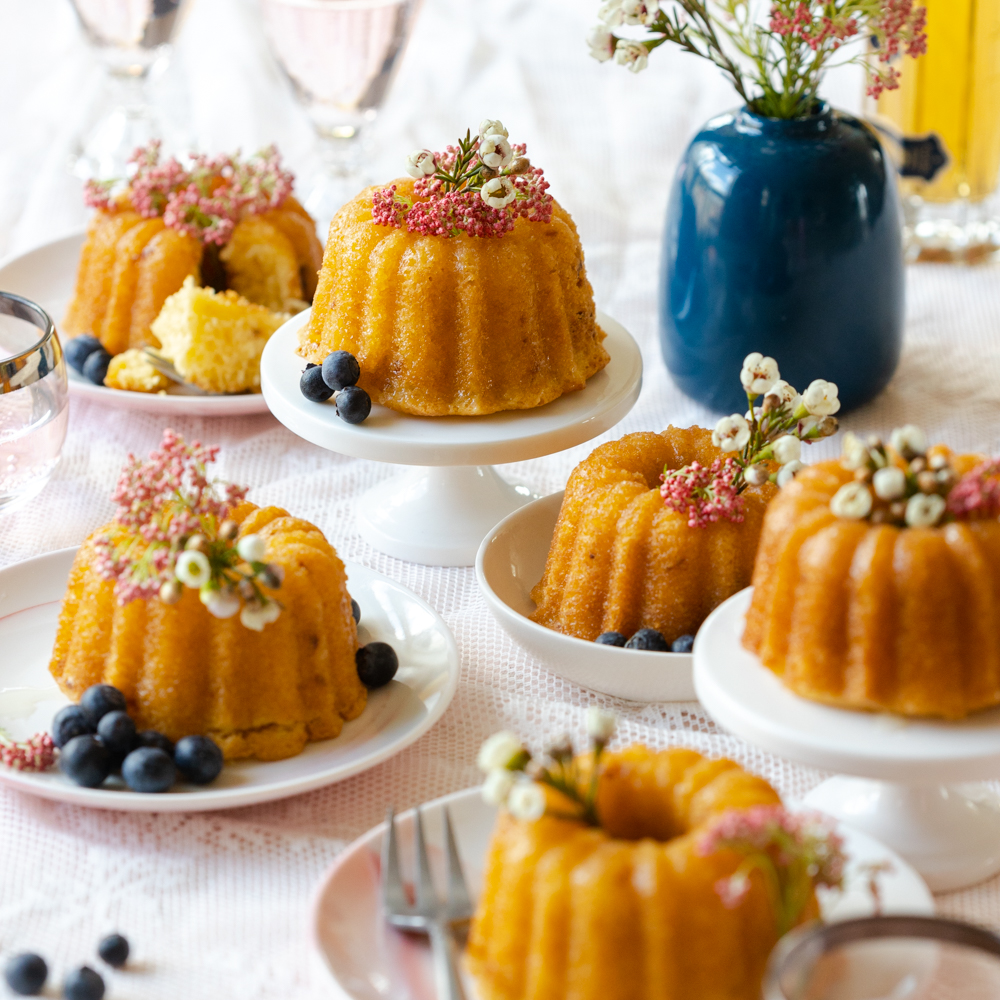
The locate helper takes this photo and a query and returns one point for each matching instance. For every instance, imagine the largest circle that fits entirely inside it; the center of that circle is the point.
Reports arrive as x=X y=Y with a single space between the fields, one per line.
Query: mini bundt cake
x=630 y=909
x=620 y=560
x=184 y=671
x=865 y=598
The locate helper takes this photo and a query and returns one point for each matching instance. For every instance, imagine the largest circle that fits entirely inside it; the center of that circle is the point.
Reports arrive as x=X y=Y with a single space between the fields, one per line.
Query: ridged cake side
x=873 y=616
x=182 y=671
x=462 y=325
x=621 y=561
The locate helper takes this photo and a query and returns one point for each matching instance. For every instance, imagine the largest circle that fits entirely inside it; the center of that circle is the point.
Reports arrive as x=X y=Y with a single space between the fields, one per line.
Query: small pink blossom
x=35 y=754
x=705 y=495
x=977 y=494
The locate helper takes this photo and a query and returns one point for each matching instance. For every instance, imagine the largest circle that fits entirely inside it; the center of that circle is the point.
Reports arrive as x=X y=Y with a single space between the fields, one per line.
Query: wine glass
x=886 y=958
x=340 y=57
x=130 y=37
x=34 y=404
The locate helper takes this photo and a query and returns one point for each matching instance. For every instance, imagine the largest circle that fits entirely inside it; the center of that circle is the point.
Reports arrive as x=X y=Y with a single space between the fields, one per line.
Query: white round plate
x=46 y=275
x=370 y=961
x=750 y=701
x=511 y=436
x=396 y=715
x=511 y=561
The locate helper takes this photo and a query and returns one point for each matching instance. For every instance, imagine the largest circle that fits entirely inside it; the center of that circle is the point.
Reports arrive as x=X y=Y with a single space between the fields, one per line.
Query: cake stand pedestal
x=915 y=785
x=439 y=512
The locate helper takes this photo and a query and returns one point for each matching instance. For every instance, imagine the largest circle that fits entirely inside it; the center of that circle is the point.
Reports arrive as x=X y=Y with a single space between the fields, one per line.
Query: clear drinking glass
x=130 y=37
x=341 y=57
x=886 y=958
x=34 y=403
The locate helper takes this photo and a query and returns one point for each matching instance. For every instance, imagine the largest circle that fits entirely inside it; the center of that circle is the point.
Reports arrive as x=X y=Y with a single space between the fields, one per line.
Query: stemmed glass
x=341 y=57
x=130 y=37
x=34 y=404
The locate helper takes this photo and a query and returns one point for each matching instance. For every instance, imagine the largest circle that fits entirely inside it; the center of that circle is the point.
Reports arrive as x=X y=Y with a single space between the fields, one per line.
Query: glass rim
x=826 y=937
x=37 y=360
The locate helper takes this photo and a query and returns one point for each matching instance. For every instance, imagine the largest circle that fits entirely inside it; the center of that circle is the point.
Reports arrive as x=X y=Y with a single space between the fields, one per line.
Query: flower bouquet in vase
x=783 y=227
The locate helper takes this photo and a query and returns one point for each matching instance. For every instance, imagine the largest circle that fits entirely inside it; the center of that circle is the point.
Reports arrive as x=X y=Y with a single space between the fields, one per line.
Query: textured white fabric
x=218 y=905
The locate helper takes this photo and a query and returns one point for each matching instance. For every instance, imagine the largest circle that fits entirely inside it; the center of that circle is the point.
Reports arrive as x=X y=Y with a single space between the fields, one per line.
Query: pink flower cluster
x=704 y=494
x=205 y=200
x=977 y=494
x=36 y=754
x=161 y=503
x=815 y=30
x=899 y=27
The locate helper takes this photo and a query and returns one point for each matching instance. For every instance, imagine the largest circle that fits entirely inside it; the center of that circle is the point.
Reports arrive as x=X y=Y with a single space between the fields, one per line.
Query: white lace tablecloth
x=217 y=905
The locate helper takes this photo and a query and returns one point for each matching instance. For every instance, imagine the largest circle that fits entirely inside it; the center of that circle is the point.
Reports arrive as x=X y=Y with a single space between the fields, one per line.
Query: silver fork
x=439 y=921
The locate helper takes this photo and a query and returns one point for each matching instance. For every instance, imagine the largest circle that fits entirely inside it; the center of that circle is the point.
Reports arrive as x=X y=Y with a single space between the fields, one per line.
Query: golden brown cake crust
x=183 y=672
x=621 y=561
x=873 y=616
x=462 y=325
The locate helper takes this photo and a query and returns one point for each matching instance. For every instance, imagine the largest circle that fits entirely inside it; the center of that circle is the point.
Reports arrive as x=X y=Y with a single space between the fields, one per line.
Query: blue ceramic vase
x=783 y=237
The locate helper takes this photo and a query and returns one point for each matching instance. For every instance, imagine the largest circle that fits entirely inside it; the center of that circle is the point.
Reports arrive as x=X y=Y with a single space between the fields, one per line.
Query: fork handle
x=446 y=974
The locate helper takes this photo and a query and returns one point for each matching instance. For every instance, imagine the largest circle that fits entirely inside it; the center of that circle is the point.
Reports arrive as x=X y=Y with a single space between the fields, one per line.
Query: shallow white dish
x=368 y=960
x=46 y=275
x=511 y=561
x=396 y=715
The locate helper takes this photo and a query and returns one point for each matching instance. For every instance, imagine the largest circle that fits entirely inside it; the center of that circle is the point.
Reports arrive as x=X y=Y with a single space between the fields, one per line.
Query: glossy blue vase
x=783 y=237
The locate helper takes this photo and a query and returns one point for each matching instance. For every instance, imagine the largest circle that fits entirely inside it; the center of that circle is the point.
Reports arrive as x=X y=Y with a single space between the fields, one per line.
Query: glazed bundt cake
x=630 y=909
x=184 y=671
x=868 y=599
x=620 y=560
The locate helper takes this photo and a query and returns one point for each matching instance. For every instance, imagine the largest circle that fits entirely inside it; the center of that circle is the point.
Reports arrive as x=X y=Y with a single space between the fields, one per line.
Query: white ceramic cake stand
x=914 y=785
x=438 y=513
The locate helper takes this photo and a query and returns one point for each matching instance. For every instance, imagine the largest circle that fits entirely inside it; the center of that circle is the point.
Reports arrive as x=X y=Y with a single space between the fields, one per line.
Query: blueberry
x=151 y=738
x=96 y=366
x=356 y=610
x=69 y=722
x=117 y=733
x=354 y=405
x=79 y=349
x=86 y=761
x=377 y=664
x=198 y=758
x=340 y=370
x=611 y=639
x=149 y=769
x=83 y=984
x=648 y=638
x=99 y=699
x=683 y=644
x=114 y=950
x=26 y=974
x=313 y=387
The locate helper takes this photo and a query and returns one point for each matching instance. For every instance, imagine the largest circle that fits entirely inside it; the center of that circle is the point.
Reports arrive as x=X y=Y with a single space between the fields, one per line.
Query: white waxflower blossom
x=421 y=163
x=498 y=751
x=193 y=568
x=255 y=616
x=783 y=393
x=924 y=510
x=495 y=151
x=852 y=501
x=611 y=13
x=759 y=373
x=498 y=192
x=909 y=441
x=639 y=11
x=788 y=472
x=526 y=801
x=633 y=55
x=854 y=452
x=820 y=399
x=251 y=548
x=731 y=433
x=601 y=42
x=889 y=483
x=788 y=448
x=220 y=603
x=497 y=787
x=490 y=126
x=757 y=475
x=600 y=724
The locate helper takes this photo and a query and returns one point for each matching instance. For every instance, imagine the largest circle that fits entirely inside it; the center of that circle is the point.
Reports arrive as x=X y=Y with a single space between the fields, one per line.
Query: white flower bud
x=490 y=126
x=611 y=13
x=924 y=510
x=251 y=548
x=731 y=433
x=526 y=801
x=193 y=568
x=633 y=55
x=852 y=501
x=498 y=192
x=787 y=448
x=889 y=483
x=497 y=787
x=639 y=11
x=757 y=475
x=788 y=472
x=854 y=453
x=600 y=724
x=220 y=603
x=759 y=373
x=820 y=399
x=601 y=43
x=498 y=751
x=495 y=152
x=909 y=441
x=255 y=616
x=782 y=393
x=420 y=163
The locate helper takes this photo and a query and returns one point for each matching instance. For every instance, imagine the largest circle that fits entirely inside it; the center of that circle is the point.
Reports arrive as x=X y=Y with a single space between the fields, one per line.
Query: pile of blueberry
x=26 y=974
x=377 y=662
x=88 y=357
x=338 y=377
x=647 y=638
x=97 y=737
